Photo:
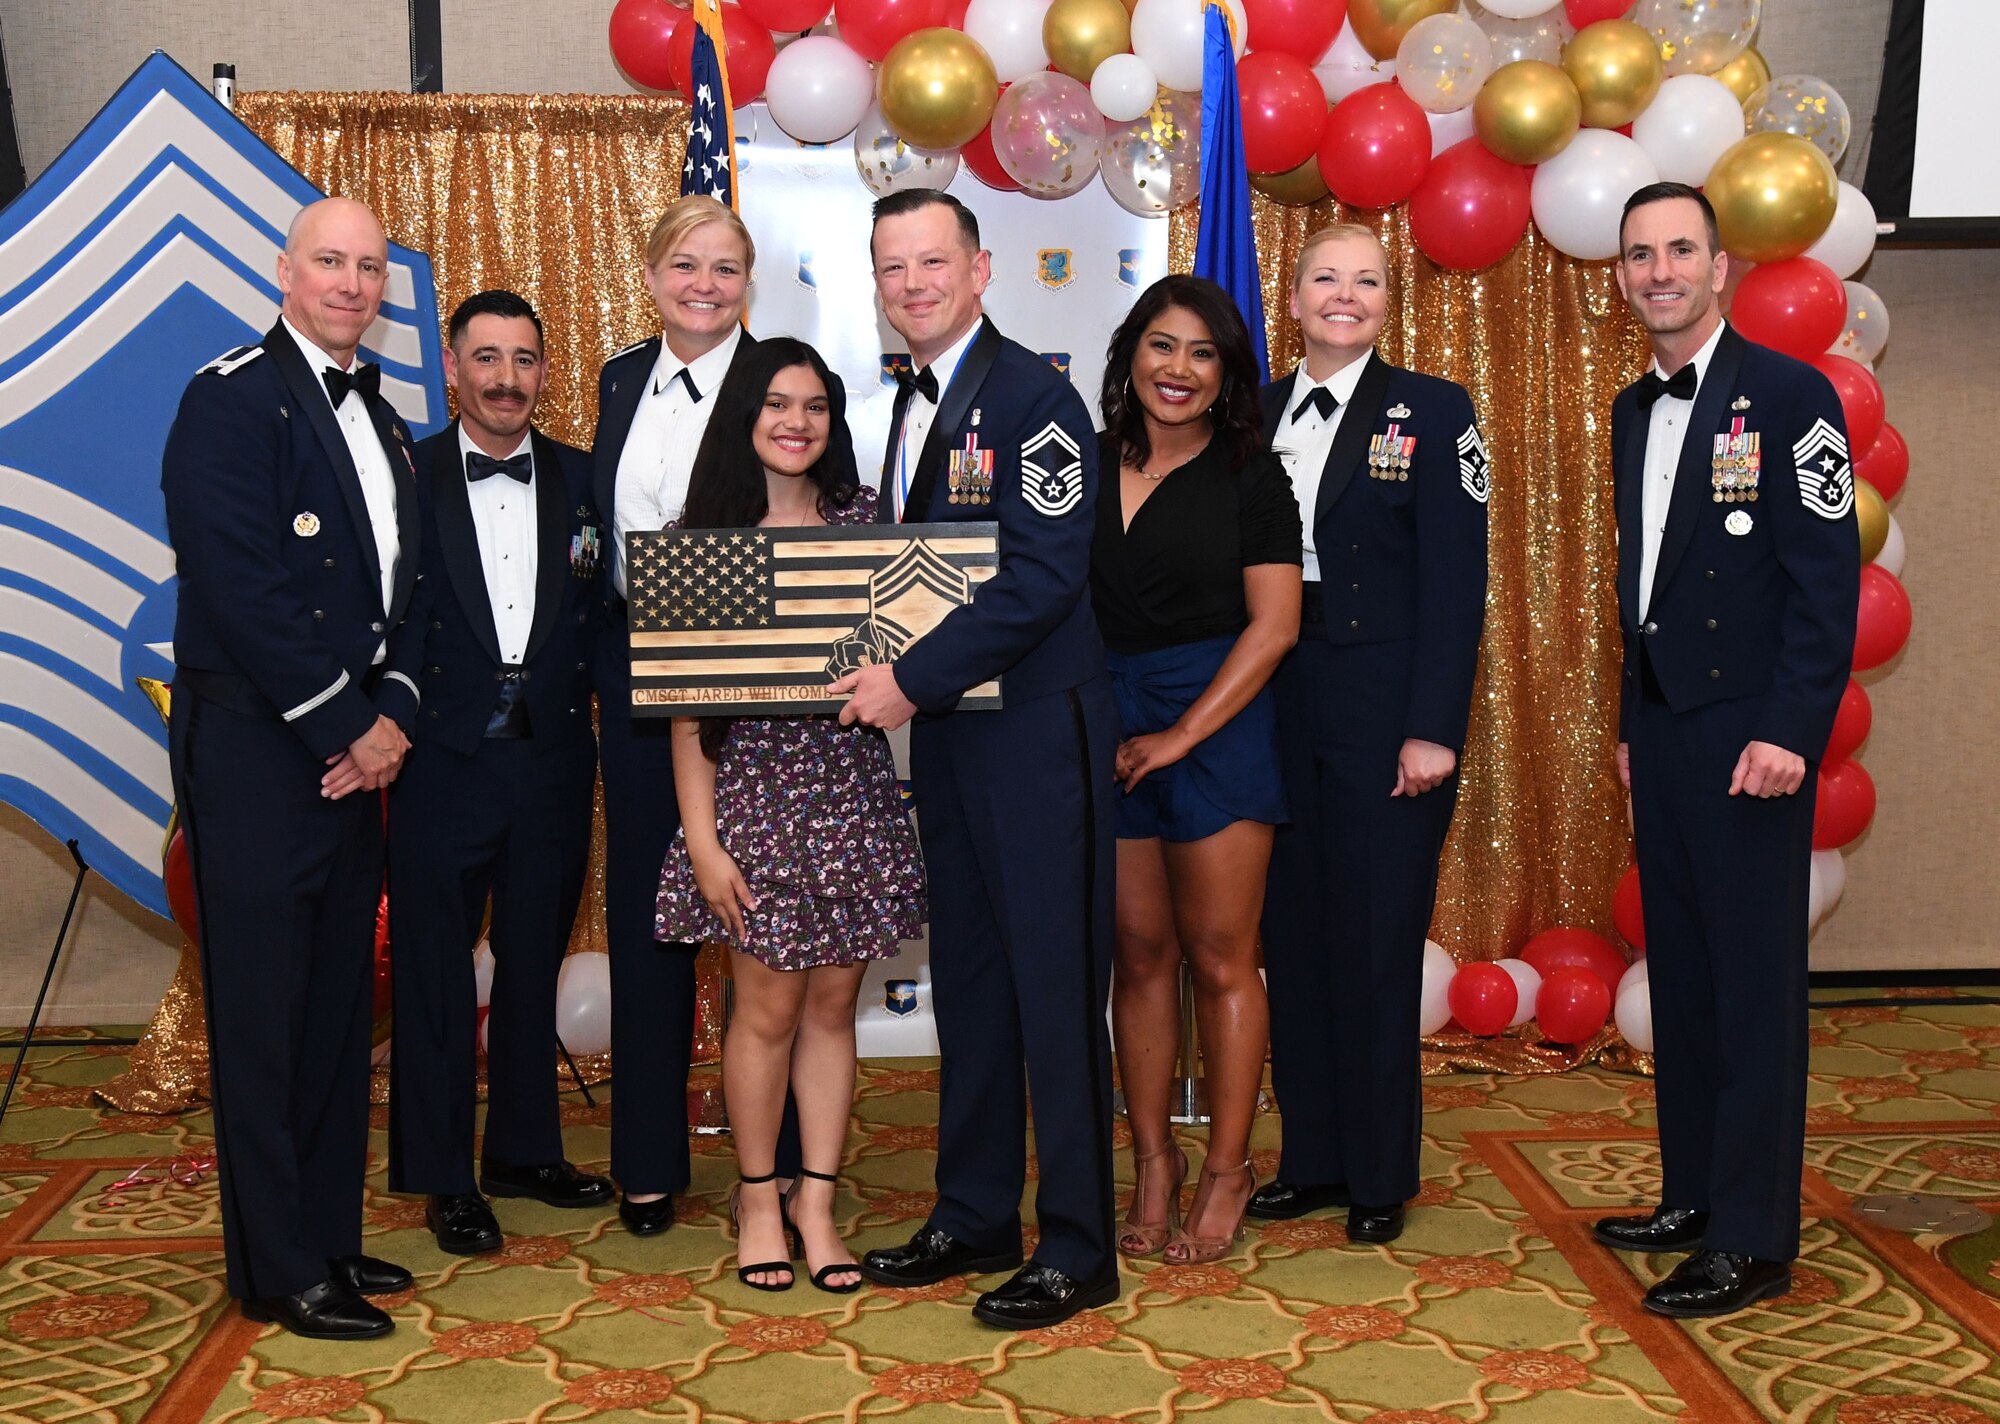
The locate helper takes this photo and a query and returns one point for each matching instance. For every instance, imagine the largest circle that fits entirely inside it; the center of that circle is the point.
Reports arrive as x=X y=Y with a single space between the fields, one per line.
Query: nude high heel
x=1186 y=1250
x=1140 y=1239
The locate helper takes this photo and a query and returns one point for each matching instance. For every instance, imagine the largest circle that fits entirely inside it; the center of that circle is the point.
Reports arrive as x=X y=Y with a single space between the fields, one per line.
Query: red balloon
x=1860 y=398
x=1882 y=621
x=1572 y=1005
x=1302 y=28
x=749 y=55
x=871 y=27
x=1850 y=724
x=1574 y=949
x=178 y=873
x=1886 y=463
x=642 y=32
x=1471 y=208
x=977 y=154
x=1627 y=912
x=1283 y=110
x=1797 y=306
x=1589 y=12
x=1482 y=998
x=1843 y=806
x=790 y=16
x=1375 y=147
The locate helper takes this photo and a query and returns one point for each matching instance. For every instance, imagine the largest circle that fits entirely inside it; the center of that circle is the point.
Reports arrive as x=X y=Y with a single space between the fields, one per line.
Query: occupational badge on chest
x=1389 y=454
x=306 y=525
x=1733 y=470
x=1738 y=521
x=969 y=474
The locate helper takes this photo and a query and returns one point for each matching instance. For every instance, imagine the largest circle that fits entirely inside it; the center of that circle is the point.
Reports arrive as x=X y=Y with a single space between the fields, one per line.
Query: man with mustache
x=495 y=798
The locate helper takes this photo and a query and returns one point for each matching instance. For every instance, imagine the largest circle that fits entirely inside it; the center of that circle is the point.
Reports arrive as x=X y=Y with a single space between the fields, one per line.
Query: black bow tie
x=365 y=378
x=514 y=467
x=1319 y=398
x=694 y=391
x=923 y=382
x=1680 y=385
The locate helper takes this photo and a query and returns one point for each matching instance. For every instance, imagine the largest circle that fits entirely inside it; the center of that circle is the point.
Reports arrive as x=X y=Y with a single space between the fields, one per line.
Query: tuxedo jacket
x=1751 y=598
x=1405 y=559
x=457 y=649
x=280 y=578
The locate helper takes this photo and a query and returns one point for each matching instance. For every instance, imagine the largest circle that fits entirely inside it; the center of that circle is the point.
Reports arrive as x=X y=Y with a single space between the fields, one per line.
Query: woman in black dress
x=1195 y=579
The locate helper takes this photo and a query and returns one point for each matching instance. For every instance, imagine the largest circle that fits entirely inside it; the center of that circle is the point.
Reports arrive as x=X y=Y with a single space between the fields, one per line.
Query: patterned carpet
x=1494 y=1304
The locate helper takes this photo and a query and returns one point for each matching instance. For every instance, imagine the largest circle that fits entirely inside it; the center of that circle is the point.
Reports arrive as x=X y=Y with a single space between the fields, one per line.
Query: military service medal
x=1390 y=453
x=969 y=475
x=1734 y=467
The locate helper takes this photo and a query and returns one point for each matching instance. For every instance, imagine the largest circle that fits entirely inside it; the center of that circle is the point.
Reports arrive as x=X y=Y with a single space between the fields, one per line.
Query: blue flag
x=710 y=166
x=1225 y=248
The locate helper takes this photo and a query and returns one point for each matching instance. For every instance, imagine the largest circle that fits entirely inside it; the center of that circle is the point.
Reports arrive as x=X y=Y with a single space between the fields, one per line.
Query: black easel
x=48 y=976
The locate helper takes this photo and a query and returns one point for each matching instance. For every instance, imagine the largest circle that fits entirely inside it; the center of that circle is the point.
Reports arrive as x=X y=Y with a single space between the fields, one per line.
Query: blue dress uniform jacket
x=279 y=619
x=1748 y=637
x=476 y=812
x=1014 y=811
x=1388 y=649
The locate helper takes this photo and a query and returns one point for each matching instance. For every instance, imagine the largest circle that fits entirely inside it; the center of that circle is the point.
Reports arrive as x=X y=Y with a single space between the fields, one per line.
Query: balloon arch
x=1483 y=117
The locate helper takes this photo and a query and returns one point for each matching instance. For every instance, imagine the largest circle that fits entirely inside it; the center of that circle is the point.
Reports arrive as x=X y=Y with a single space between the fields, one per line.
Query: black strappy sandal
x=819 y=1277
x=743 y=1273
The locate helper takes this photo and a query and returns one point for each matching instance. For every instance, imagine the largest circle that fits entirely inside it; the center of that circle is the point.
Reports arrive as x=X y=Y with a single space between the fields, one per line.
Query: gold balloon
x=1774 y=196
x=1527 y=111
x=1871 y=511
x=1300 y=188
x=1081 y=34
x=1617 y=70
x=1745 y=74
x=937 y=88
x=1381 y=24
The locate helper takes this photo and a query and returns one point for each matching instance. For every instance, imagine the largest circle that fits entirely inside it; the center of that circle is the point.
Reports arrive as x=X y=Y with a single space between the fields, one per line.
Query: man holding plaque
x=1013 y=805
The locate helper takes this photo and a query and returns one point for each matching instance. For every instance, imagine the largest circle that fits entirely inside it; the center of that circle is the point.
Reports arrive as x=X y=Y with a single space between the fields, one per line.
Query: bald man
x=291 y=504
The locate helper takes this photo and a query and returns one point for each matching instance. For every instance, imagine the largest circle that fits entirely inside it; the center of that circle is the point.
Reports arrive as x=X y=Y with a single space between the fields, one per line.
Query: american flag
x=756 y=622
x=710 y=166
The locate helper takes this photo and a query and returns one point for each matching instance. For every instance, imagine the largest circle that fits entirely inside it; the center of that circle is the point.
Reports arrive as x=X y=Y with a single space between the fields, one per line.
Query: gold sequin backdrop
x=553 y=195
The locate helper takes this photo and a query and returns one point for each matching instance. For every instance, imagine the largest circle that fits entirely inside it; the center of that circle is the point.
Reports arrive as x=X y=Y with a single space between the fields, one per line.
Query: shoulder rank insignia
x=1474 y=473
x=1051 y=472
x=230 y=362
x=1826 y=480
x=1740 y=403
x=1399 y=411
x=306 y=525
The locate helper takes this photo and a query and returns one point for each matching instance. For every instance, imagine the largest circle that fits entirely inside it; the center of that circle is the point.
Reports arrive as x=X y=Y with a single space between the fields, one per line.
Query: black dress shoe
x=462 y=1222
x=930 y=1256
x=1281 y=1200
x=1374 y=1223
x=1718 y=1283
x=552 y=1184
x=327 y=1311
x=647 y=1218
x=1037 y=1296
x=369 y=1275
x=1663 y=1229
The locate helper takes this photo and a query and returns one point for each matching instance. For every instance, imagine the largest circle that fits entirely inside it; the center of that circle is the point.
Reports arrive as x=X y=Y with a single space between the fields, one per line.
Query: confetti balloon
x=889 y=163
x=1153 y=165
x=1800 y=104
x=1699 y=36
x=1048 y=135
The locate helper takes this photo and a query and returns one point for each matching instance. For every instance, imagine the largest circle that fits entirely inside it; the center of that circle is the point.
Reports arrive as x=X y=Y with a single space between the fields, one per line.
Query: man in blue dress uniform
x=291 y=503
x=495 y=796
x=1738 y=575
x=1391 y=477
x=1013 y=806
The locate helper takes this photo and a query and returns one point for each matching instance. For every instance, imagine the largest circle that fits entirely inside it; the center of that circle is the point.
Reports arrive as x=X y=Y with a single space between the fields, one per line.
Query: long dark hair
x=727 y=489
x=1236 y=416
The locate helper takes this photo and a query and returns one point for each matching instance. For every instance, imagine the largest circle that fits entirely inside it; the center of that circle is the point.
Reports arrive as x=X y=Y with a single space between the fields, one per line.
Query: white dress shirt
x=1665 y=436
x=919 y=415
x=1304 y=439
x=371 y=463
x=658 y=457
x=503 y=516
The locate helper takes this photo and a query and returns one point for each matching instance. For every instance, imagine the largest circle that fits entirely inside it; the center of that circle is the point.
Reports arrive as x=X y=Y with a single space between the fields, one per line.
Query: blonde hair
x=684 y=215
x=1334 y=232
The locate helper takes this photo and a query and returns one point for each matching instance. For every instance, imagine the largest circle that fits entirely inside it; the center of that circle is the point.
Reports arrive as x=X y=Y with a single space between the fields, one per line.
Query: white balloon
x=1687 y=126
x=1449 y=129
x=1519 y=9
x=1829 y=880
x=1433 y=1002
x=1527 y=984
x=1578 y=196
x=1633 y=1013
x=583 y=1002
x=1867 y=329
x=1123 y=88
x=818 y=89
x=1347 y=66
x=1010 y=31
x=1850 y=238
x=1891 y=558
x=1167 y=34
x=482 y=974
x=1635 y=973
